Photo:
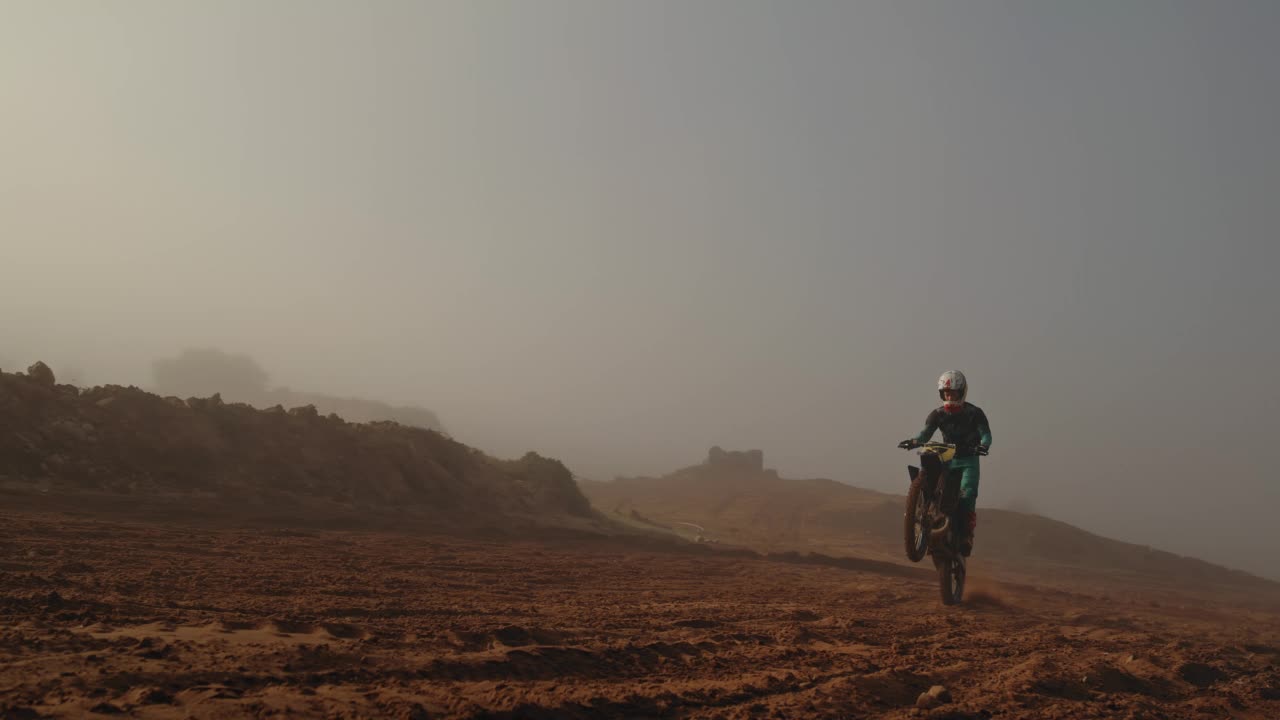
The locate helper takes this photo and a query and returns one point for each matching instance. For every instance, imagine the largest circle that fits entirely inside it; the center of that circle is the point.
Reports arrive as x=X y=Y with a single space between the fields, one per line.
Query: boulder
x=41 y=374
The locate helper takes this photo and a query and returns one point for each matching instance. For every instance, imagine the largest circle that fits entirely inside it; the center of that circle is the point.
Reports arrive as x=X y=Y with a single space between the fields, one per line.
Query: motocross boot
x=966 y=537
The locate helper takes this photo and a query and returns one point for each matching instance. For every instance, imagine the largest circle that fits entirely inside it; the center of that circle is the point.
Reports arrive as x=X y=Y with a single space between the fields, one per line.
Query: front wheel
x=951 y=572
x=916 y=521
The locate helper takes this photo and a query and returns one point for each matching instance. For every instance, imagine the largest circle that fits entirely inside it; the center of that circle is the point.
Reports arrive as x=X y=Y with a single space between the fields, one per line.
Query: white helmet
x=953 y=380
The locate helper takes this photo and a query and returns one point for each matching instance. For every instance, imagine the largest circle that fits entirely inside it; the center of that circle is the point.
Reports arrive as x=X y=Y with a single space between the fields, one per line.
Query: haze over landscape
x=620 y=233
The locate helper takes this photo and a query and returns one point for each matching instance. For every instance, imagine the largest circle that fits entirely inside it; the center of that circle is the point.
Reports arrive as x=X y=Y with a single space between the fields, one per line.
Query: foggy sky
x=620 y=233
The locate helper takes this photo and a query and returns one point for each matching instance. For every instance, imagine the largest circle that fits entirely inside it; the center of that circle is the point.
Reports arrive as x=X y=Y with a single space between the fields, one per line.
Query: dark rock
x=41 y=374
x=1200 y=675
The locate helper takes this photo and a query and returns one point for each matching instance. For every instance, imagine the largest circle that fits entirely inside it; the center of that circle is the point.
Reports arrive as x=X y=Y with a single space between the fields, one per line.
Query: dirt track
x=168 y=622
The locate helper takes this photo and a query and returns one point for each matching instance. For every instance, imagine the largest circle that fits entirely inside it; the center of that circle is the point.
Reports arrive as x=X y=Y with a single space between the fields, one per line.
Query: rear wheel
x=916 y=521
x=951 y=572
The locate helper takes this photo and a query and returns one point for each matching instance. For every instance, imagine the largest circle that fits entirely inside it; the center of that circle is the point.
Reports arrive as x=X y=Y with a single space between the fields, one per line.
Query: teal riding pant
x=969 y=472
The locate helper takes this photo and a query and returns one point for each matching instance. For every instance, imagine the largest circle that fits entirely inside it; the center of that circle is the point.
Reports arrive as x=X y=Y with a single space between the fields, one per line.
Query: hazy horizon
x=619 y=233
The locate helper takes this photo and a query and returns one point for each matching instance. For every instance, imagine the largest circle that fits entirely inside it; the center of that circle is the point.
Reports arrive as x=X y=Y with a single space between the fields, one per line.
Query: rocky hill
x=115 y=440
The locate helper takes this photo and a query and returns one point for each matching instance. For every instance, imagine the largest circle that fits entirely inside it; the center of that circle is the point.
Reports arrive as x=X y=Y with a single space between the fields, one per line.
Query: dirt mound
x=126 y=441
x=738 y=500
x=1026 y=541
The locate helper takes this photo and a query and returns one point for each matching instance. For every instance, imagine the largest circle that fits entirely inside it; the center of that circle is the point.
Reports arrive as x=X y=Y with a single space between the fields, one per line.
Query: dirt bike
x=933 y=524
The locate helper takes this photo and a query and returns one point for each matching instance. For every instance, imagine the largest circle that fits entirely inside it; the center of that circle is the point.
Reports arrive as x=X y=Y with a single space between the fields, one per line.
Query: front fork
x=946 y=522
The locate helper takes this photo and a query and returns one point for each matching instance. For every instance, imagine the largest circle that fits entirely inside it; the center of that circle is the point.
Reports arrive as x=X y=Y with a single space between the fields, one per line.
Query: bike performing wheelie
x=941 y=514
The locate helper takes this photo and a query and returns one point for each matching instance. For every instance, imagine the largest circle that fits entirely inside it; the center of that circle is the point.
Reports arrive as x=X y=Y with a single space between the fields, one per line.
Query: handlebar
x=980 y=450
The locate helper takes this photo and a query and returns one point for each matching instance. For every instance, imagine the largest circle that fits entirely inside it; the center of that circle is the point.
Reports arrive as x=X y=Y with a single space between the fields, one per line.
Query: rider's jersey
x=965 y=429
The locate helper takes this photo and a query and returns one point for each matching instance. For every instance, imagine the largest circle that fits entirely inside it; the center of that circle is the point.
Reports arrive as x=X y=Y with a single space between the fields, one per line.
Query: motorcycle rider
x=964 y=425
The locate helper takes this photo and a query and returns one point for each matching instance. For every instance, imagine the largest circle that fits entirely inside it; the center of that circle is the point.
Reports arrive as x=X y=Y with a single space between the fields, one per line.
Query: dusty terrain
x=169 y=558
x=156 y=621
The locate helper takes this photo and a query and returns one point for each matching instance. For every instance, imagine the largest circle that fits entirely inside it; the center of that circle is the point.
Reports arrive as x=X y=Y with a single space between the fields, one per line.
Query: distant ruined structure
x=733 y=466
x=751 y=461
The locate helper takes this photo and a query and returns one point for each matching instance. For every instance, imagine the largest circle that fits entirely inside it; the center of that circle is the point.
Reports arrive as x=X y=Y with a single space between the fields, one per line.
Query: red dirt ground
x=153 y=620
